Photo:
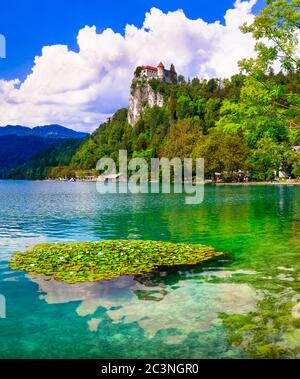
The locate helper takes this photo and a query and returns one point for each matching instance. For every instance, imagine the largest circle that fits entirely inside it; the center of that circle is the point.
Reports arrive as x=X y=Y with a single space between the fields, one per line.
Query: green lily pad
x=94 y=261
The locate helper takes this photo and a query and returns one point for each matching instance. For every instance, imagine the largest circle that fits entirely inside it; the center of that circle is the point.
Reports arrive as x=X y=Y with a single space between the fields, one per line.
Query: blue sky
x=28 y=25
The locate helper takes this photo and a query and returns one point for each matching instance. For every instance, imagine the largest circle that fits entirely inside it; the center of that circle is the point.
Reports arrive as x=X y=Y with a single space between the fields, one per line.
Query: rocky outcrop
x=142 y=96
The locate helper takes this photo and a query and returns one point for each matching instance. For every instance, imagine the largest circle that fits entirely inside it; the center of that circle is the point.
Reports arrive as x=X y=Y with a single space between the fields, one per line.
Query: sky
x=71 y=62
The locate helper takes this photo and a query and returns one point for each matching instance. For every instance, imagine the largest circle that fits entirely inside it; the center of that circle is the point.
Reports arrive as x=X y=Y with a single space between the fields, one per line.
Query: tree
x=138 y=71
x=256 y=113
x=173 y=74
x=181 y=79
x=211 y=112
x=267 y=159
x=222 y=152
x=294 y=161
x=268 y=106
x=184 y=107
x=182 y=138
x=296 y=167
x=279 y=24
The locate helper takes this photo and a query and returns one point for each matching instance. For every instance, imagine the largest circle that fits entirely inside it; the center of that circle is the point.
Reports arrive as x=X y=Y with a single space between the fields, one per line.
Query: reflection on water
x=187 y=312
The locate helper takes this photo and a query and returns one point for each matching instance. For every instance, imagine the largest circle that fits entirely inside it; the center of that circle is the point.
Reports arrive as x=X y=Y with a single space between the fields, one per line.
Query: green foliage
x=64 y=172
x=278 y=23
x=93 y=261
x=252 y=131
x=268 y=158
x=138 y=71
x=52 y=162
x=107 y=140
x=222 y=153
x=268 y=108
x=190 y=110
x=256 y=113
x=276 y=30
x=182 y=138
x=294 y=160
x=17 y=150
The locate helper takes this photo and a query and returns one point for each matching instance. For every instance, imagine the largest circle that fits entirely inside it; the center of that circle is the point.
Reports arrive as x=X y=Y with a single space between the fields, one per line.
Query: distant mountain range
x=47 y=131
x=19 y=143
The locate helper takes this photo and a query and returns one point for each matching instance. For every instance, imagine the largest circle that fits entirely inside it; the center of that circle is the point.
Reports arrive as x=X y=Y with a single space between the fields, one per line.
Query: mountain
x=19 y=143
x=16 y=150
x=47 y=131
x=43 y=164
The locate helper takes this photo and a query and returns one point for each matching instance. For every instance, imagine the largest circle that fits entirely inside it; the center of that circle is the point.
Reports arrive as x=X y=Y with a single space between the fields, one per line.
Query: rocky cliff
x=142 y=96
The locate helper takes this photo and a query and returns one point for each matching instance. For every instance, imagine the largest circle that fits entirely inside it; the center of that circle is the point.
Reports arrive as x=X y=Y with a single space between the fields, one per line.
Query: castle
x=142 y=94
x=159 y=72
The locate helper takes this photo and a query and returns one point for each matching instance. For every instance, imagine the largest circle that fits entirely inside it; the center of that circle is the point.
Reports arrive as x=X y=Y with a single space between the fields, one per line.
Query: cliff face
x=142 y=96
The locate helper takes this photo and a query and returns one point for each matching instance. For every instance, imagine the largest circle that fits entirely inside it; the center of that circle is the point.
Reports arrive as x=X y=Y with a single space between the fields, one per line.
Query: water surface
x=243 y=305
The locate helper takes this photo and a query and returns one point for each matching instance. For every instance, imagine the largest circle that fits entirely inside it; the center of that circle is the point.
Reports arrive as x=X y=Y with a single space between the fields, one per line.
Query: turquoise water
x=243 y=305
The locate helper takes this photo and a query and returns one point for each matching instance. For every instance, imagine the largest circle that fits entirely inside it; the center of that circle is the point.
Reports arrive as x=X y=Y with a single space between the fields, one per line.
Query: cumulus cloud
x=81 y=89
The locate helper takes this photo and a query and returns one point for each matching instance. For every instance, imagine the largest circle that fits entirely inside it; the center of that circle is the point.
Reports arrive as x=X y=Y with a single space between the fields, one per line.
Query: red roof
x=161 y=65
x=150 y=68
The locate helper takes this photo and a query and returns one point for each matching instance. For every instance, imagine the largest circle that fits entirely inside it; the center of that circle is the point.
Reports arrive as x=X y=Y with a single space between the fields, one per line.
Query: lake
x=244 y=304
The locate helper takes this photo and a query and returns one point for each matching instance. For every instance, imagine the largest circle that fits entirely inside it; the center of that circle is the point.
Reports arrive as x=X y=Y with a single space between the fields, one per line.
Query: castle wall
x=149 y=73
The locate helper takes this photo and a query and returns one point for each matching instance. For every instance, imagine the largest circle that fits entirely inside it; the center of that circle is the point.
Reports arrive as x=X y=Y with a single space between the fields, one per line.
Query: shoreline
x=259 y=184
x=207 y=182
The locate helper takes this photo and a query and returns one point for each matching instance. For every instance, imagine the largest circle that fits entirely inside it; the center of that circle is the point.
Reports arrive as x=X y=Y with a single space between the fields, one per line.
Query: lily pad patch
x=103 y=260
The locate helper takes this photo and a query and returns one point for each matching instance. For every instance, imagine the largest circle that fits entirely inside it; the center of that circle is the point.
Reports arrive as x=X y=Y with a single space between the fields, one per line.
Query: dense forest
x=53 y=161
x=16 y=150
x=201 y=118
x=206 y=119
x=28 y=153
x=248 y=123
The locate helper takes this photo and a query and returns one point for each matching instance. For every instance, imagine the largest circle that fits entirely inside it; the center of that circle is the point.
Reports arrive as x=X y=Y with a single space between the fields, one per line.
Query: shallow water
x=243 y=305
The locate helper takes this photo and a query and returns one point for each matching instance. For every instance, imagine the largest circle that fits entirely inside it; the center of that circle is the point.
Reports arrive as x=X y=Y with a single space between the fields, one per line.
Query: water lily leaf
x=94 y=261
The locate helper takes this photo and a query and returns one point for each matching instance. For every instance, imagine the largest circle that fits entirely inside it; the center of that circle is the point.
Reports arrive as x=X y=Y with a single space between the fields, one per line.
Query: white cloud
x=81 y=89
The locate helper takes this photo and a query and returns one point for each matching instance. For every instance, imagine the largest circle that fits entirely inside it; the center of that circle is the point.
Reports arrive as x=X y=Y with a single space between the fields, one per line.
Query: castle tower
x=161 y=71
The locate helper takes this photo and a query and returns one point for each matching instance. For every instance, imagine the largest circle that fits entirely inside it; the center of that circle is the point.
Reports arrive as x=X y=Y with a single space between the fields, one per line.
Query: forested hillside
x=39 y=145
x=50 y=162
x=229 y=123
